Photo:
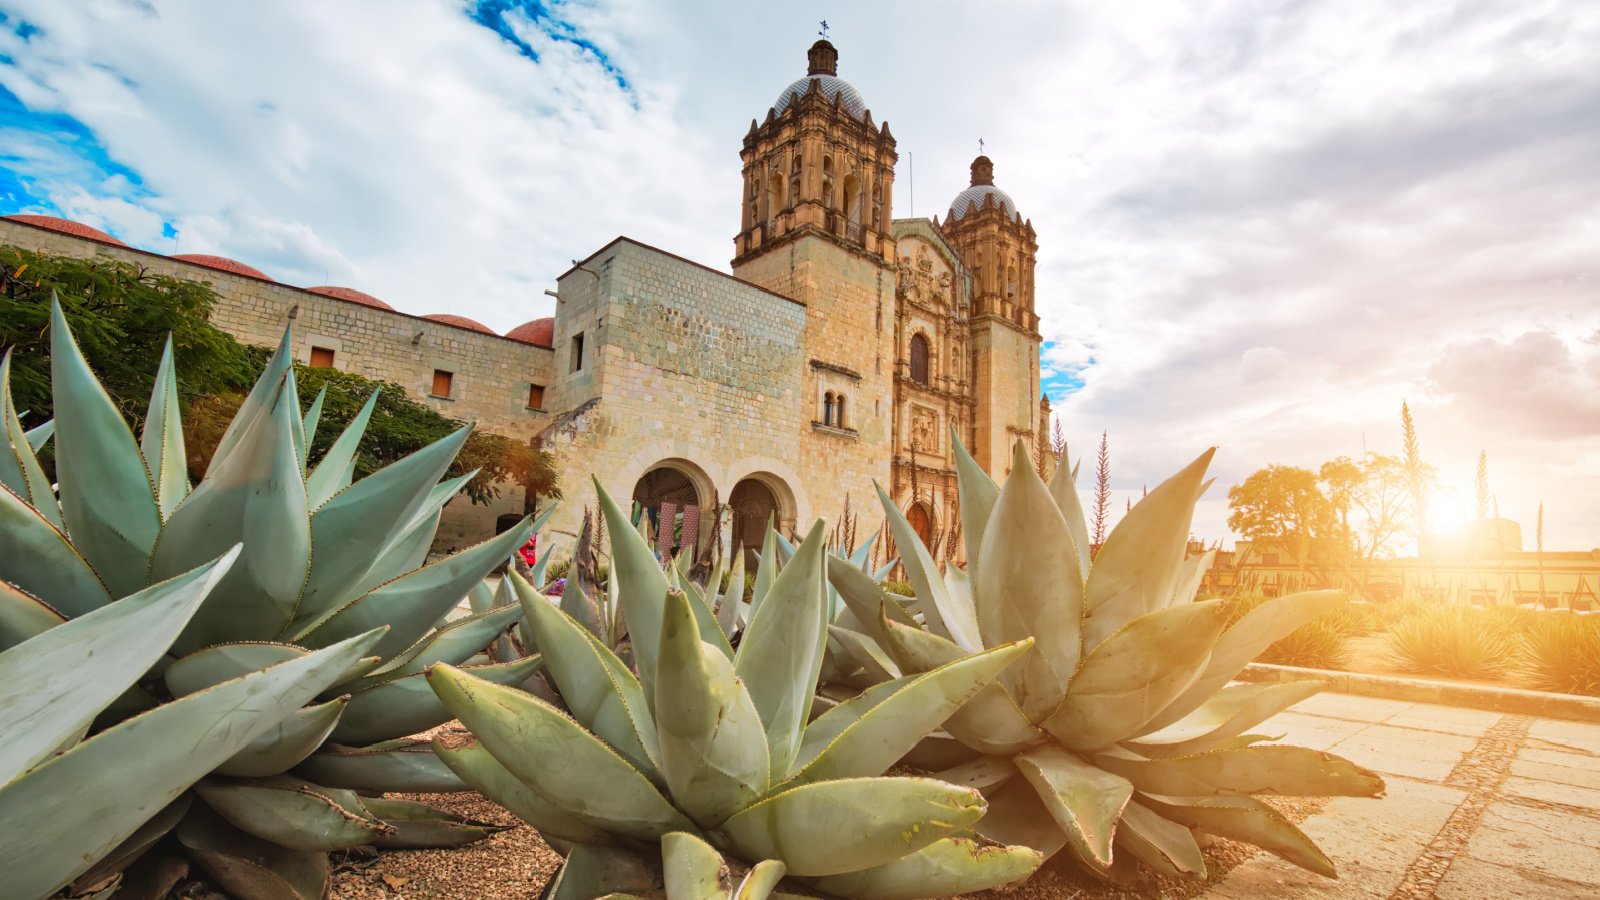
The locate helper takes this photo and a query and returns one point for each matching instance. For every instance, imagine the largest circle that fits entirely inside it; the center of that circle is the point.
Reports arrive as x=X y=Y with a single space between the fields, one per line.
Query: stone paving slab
x=1480 y=804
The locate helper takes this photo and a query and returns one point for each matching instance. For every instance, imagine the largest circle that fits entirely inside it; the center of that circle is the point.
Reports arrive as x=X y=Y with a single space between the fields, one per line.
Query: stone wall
x=490 y=374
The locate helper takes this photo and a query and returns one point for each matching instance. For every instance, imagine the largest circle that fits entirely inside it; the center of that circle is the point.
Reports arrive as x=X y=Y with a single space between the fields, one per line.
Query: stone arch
x=920 y=515
x=692 y=496
x=919 y=355
x=754 y=498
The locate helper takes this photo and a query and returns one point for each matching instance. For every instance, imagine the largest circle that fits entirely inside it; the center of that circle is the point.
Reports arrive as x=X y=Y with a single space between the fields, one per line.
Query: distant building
x=842 y=349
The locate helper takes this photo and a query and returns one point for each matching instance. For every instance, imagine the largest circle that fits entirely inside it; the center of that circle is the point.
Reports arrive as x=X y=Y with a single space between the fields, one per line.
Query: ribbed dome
x=831 y=86
x=221 y=264
x=539 y=332
x=459 y=322
x=976 y=195
x=350 y=295
x=67 y=226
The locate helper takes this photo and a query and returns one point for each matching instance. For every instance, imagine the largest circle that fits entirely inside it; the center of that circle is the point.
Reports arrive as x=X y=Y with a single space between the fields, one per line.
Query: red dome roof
x=459 y=322
x=539 y=332
x=350 y=295
x=221 y=264
x=67 y=226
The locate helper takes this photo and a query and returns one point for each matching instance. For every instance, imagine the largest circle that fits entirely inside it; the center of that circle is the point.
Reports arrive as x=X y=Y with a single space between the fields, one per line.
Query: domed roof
x=459 y=322
x=351 y=295
x=982 y=190
x=831 y=86
x=976 y=195
x=221 y=264
x=539 y=332
x=67 y=226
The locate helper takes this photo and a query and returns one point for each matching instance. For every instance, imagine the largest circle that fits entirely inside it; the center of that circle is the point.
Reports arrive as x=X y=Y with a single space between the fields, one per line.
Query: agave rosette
x=324 y=560
x=714 y=743
x=1120 y=735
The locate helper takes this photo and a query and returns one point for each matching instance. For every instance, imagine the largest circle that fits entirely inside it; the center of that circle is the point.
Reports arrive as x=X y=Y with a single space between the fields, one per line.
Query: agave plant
x=323 y=561
x=715 y=743
x=1119 y=737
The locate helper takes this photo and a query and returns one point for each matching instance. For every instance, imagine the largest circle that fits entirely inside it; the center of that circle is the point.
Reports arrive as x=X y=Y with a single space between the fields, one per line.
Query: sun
x=1449 y=513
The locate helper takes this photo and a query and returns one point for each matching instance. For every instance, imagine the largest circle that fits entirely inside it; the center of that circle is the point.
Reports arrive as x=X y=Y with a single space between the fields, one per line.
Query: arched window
x=877 y=205
x=1011 y=279
x=852 y=204
x=754 y=203
x=794 y=180
x=827 y=408
x=774 y=196
x=827 y=182
x=919 y=359
x=838 y=412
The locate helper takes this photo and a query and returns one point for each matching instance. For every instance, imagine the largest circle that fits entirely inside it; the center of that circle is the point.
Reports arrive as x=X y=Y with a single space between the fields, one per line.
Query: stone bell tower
x=998 y=248
x=816 y=225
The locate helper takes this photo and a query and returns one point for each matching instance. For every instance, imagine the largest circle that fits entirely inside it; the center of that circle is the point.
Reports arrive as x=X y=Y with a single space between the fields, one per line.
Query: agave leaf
x=293 y=814
x=338 y=466
x=767 y=569
x=1233 y=711
x=135 y=846
x=1189 y=577
x=475 y=766
x=582 y=608
x=39 y=435
x=945 y=617
x=107 y=501
x=122 y=776
x=642 y=589
x=452 y=644
x=761 y=882
x=259 y=401
x=943 y=868
x=855 y=823
x=705 y=618
x=419 y=826
x=248 y=867
x=597 y=687
x=978 y=494
x=1030 y=584
x=693 y=870
x=556 y=757
x=714 y=752
x=23 y=616
x=891 y=728
x=407 y=705
x=861 y=651
x=591 y=872
x=19 y=466
x=780 y=656
x=351 y=531
x=285 y=744
x=1144 y=553
x=827 y=726
x=313 y=419
x=1284 y=770
x=1131 y=677
x=411 y=604
x=1244 y=641
x=52 y=687
x=405 y=764
x=1064 y=490
x=991 y=722
x=221 y=662
x=1245 y=819
x=162 y=440
x=408 y=550
x=255 y=495
x=56 y=574
x=1017 y=817
x=1084 y=800
x=864 y=598
x=728 y=606
x=1163 y=845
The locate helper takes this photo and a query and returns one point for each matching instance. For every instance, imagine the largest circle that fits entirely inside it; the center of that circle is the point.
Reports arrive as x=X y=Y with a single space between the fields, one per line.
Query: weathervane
x=824 y=31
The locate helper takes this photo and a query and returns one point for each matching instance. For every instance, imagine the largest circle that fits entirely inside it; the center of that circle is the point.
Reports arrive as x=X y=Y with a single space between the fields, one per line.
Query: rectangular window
x=577 y=352
x=321 y=358
x=442 y=382
x=536 y=396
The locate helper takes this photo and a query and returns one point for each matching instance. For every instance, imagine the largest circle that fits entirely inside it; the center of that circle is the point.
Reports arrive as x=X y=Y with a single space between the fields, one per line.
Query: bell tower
x=998 y=247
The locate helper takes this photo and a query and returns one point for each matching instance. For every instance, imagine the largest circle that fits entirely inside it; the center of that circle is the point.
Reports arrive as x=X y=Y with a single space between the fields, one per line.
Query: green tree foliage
x=1280 y=504
x=121 y=314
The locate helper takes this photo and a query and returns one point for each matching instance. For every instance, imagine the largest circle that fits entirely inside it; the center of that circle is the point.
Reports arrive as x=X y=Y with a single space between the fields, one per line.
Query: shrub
x=1457 y=641
x=1561 y=652
x=902 y=588
x=1322 y=643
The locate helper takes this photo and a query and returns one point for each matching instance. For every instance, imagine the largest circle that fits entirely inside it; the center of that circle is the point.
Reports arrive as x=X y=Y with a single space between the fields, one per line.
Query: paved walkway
x=1480 y=804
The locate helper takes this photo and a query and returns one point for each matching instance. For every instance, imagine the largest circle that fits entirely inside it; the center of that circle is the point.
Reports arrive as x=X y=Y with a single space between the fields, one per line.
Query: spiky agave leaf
x=1120 y=734
x=726 y=753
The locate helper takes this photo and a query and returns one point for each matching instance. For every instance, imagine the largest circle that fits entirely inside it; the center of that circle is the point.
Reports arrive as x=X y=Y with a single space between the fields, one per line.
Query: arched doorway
x=753 y=505
x=673 y=504
x=921 y=519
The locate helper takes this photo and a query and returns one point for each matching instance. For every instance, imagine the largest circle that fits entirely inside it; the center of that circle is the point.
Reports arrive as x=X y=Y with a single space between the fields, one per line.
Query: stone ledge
x=1419 y=690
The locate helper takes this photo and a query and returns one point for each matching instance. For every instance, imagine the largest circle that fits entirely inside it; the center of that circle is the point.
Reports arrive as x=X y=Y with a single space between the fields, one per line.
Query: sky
x=1262 y=225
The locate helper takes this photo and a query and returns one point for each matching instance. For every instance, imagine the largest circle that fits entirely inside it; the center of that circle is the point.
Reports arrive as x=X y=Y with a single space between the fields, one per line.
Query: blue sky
x=1261 y=226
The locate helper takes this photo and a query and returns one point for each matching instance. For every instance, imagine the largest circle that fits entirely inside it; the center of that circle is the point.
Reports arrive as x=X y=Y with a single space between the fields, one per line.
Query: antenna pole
x=911 y=160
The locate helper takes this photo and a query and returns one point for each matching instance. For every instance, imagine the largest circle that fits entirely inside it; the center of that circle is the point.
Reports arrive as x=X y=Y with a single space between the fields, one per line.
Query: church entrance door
x=753 y=506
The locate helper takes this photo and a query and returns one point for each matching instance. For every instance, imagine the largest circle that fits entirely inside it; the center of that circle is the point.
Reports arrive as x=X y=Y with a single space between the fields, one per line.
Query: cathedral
x=841 y=352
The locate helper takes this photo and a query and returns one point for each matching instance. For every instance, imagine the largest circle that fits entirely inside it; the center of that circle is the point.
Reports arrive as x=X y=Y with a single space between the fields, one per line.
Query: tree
x=1369 y=500
x=1102 y=495
x=1284 y=506
x=121 y=315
